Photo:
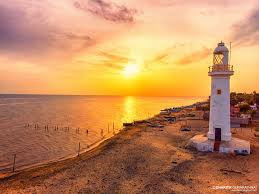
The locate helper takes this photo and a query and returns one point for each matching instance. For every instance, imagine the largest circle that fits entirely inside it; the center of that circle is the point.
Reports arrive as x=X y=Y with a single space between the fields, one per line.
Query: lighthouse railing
x=220 y=68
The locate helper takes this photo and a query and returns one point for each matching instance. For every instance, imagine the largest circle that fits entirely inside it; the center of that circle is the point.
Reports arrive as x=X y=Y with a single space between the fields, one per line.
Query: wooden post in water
x=78 y=149
x=102 y=133
x=113 y=127
x=14 y=158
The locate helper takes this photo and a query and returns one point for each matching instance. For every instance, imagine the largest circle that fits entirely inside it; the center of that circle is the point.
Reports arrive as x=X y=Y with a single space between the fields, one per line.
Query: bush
x=244 y=107
x=252 y=113
x=236 y=98
x=203 y=108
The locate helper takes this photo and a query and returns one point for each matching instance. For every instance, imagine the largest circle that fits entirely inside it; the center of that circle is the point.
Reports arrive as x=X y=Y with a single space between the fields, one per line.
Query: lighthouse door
x=217 y=139
x=217 y=134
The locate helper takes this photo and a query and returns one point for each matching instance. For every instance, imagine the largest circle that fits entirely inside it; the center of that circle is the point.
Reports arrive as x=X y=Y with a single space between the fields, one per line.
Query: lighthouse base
x=203 y=144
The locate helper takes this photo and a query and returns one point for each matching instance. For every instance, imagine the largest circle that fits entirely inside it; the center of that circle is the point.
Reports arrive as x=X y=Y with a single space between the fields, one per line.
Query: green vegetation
x=236 y=98
x=203 y=108
x=244 y=107
x=244 y=100
x=252 y=113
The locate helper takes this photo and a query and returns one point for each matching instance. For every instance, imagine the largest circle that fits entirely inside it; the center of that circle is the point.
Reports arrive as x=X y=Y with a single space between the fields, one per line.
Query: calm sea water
x=33 y=146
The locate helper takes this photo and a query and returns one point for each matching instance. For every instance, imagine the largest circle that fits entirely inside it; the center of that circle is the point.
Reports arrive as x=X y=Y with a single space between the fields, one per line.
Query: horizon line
x=40 y=94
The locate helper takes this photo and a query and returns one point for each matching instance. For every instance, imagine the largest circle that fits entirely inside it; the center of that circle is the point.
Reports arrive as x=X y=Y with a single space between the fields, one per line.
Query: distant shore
x=143 y=158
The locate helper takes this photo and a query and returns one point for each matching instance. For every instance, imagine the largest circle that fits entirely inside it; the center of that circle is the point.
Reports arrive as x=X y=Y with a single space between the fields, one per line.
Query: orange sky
x=83 y=46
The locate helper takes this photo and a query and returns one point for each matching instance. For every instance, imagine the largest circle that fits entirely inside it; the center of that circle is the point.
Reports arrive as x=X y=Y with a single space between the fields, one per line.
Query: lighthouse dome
x=220 y=55
x=221 y=48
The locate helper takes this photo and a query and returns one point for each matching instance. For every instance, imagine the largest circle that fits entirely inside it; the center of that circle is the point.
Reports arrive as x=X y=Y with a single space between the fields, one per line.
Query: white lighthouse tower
x=219 y=137
x=220 y=72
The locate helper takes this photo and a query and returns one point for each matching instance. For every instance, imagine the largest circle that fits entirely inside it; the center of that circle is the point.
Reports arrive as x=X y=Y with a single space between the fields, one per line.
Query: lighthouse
x=219 y=137
x=220 y=73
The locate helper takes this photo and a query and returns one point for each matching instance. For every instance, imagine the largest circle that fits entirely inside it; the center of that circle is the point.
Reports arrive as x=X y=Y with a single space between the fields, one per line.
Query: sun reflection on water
x=129 y=109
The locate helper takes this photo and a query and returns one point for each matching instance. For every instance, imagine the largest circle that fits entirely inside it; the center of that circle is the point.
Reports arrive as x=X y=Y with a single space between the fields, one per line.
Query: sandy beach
x=142 y=159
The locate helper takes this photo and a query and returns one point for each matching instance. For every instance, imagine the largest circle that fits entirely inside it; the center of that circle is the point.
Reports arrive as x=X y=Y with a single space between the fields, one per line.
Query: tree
x=233 y=98
x=256 y=96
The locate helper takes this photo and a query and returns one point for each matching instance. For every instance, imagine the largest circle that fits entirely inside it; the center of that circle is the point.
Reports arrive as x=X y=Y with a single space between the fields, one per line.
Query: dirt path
x=141 y=160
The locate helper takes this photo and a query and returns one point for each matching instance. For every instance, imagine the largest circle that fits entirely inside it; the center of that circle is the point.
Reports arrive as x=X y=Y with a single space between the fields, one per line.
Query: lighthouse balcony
x=219 y=69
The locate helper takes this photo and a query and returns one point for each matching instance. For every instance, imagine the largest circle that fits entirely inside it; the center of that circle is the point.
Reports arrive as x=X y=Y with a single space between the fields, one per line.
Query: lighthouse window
x=218 y=92
x=218 y=59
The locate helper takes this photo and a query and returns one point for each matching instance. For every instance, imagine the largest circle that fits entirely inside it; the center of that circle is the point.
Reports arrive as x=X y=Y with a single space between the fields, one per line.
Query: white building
x=254 y=107
x=220 y=72
x=219 y=137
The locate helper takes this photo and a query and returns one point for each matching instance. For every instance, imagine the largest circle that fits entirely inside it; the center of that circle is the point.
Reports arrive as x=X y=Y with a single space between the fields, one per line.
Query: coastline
x=106 y=137
x=127 y=155
x=92 y=146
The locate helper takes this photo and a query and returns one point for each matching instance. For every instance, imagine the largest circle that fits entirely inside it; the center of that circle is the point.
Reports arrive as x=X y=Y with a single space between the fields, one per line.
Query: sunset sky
x=125 y=47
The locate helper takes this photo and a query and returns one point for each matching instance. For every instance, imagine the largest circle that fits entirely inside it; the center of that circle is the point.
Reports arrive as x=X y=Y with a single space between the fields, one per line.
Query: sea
x=38 y=129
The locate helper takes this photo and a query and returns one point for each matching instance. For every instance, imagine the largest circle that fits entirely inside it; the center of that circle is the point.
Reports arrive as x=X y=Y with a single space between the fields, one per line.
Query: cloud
x=78 y=42
x=106 y=61
x=158 y=59
x=194 y=57
x=112 y=60
x=72 y=36
x=194 y=2
x=118 y=58
x=33 y=38
x=17 y=32
x=163 y=57
x=246 y=32
x=107 y=10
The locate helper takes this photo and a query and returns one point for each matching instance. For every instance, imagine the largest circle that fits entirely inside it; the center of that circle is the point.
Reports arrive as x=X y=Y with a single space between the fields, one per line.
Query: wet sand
x=143 y=159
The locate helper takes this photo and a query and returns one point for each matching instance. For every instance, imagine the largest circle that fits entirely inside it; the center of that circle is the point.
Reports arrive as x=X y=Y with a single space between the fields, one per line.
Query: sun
x=130 y=70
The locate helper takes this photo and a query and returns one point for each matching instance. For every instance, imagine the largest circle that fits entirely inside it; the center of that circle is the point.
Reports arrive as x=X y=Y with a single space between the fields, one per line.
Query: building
x=238 y=122
x=219 y=137
x=220 y=72
x=235 y=111
x=253 y=107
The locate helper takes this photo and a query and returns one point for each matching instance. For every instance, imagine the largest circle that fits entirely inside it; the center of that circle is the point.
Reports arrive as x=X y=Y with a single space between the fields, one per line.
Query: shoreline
x=142 y=158
x=53 y=162
x=26 y=161
x=25 y=168
x=97 y=147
